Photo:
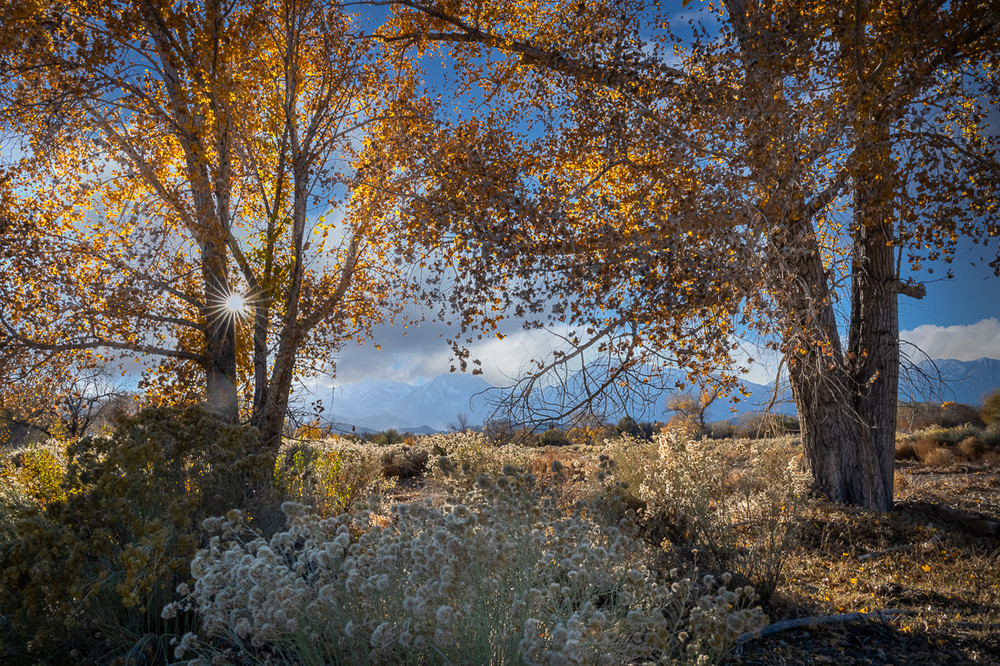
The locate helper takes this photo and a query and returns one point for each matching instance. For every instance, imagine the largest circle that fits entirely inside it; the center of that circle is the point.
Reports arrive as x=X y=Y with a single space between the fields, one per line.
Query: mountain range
x=378 y=404
x=442 y=402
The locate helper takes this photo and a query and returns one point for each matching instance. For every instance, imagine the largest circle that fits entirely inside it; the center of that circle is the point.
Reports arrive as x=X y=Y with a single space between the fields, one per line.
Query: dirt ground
x=932 y=564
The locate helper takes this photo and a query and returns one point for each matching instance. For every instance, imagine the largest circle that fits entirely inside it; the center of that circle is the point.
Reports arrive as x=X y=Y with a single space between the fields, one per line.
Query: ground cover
x=627 y=551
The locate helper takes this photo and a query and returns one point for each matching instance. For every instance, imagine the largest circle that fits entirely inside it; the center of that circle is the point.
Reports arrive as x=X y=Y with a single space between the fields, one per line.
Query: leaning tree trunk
x=270 y=419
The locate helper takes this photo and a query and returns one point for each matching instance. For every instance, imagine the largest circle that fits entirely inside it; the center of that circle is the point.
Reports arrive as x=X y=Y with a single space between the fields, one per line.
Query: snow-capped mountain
x=375 y=405
x=379 y=404
x=961 y=381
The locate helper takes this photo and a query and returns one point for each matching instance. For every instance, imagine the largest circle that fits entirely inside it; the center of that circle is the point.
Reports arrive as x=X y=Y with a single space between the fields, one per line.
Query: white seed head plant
x=499 y=574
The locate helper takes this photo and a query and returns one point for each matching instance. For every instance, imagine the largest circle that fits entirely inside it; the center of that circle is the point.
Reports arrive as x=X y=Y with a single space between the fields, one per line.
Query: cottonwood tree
x=690 y=408
x=171 y=163
x=764 y=167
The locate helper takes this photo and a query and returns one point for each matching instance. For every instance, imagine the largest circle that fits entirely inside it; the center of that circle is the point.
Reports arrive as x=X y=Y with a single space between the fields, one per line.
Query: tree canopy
x=170 y=170
x=671 y=180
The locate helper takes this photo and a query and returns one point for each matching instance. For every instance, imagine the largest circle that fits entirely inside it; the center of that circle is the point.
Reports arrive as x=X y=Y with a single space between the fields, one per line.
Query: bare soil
x=934 y=560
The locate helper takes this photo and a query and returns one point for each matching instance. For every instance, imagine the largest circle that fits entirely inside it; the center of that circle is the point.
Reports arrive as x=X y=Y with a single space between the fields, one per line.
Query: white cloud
x=962 y=343
x=420 y=353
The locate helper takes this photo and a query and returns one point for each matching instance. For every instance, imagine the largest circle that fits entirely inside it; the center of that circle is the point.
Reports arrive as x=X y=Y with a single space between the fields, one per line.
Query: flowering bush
x=498 y=574
x=36 y=471
x=736 y=505
x=329 y=476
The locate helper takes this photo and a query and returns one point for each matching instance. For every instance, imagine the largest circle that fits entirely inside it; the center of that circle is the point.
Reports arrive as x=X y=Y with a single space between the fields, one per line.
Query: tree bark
x=836 y=444
x=270 y=420
x=220 y=337
x=873 y=341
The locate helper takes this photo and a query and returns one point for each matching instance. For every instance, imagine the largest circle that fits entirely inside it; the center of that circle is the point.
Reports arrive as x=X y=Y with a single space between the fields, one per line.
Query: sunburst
x=232 y=305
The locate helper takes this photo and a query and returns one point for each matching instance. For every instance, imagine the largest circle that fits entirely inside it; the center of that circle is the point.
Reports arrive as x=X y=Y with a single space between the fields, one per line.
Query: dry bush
x=922 y=415
x=558 y=466
x=735 y=501
x=991 y=458
x=905 y=450
x=547 y=462
x=330 y=475
x=971 y=449
x=405 y=462
x=990 y=411
x=931 y=454
x=501 y=574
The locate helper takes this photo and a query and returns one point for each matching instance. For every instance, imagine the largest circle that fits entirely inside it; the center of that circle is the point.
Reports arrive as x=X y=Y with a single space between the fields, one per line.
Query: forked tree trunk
x=835 y=441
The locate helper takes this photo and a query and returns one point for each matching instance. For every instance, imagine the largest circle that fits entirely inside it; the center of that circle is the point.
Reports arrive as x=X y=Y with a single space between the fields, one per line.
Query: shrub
x=498 y=575
x=629 y=426
x=905 y=450
x=990 y=411
x=405 y=463
x=554 y=437
x=84 y=576
x=388 y=437
x=470 y=453
x=991 y=435
x=971 y=449
x=914 y=416
x=330 y=475
x=737 y=505
x=721 y=429
x=931 y=454
x=37 y=469
x=304 y=474
x=765 y=426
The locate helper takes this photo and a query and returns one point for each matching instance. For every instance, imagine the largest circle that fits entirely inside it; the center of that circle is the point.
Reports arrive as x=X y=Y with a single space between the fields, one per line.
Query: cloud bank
x=421 y=352
x=962 y=343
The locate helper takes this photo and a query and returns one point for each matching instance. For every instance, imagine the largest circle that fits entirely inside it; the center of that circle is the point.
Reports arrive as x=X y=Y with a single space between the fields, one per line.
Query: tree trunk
x=835 y=441
x=220 y=337
x=873 y=341
x=270 y=420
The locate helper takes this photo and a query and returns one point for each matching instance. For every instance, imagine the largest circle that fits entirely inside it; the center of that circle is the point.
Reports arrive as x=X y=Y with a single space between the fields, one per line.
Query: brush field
x=173 y=542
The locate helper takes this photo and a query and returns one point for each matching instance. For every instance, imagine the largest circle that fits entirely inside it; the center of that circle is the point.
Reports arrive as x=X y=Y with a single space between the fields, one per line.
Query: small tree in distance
x=690 y=410
x=990 y=412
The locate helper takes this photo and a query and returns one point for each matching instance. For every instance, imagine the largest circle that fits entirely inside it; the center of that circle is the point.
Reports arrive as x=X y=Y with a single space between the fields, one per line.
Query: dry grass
x=971 y=449
x=923 y=558
x=905 y=450
x=932 y=454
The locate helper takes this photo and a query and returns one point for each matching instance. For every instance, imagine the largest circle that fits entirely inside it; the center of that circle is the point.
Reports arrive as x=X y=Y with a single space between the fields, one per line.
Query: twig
x=879 y=553
x=975 y=625
x=787 y=625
